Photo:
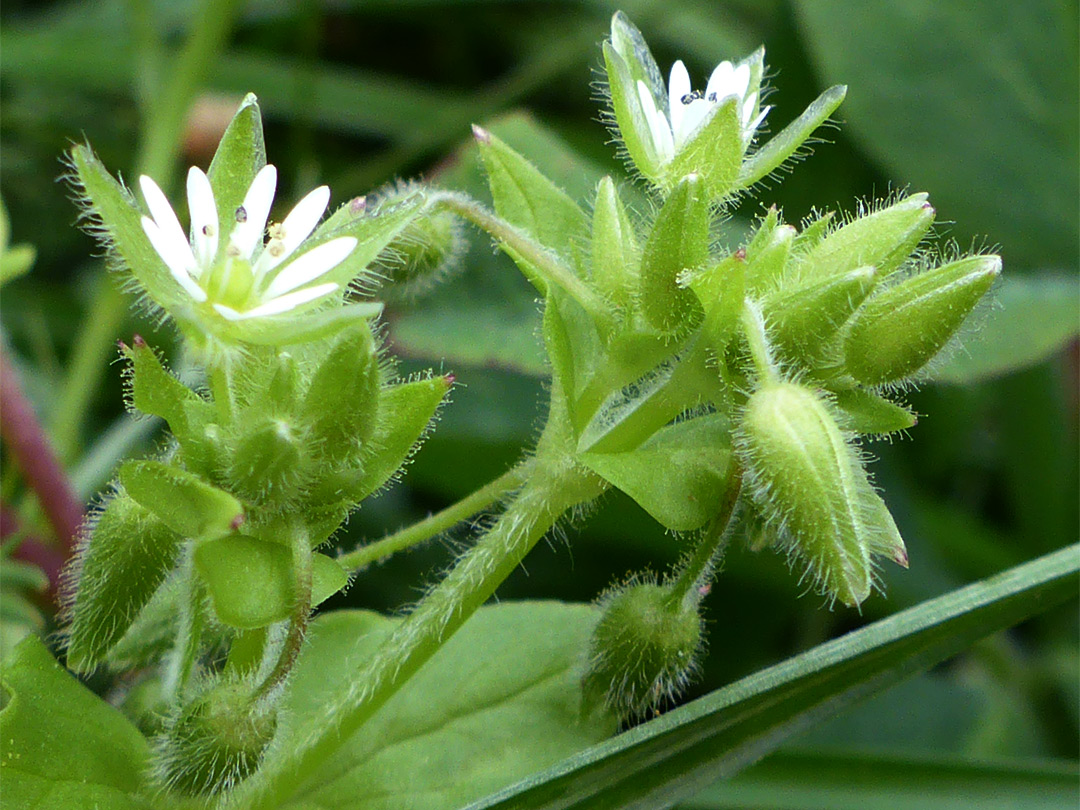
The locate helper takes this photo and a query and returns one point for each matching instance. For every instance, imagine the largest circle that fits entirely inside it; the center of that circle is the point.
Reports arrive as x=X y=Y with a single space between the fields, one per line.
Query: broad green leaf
x=678 y=476
x=251 y=581
x=478 y=716
x=810 y=780
x=974 y=103
x=61 y=746
x=121 y=564
x=673 y=757
x=1033 y=317
x=184 y=502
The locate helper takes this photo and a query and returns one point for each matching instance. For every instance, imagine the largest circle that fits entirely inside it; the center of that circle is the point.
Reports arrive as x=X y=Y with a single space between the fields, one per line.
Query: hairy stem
x=435 y=524
x=298 y=621
x=555 y=484
x=553 y=269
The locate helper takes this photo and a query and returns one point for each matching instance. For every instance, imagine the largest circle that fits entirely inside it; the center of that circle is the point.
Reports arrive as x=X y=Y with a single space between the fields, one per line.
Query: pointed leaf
x=184 y=502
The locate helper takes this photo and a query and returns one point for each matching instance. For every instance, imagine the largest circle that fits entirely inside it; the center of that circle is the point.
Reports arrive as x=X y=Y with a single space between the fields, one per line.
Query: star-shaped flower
x=689 y=109
x=228 y=265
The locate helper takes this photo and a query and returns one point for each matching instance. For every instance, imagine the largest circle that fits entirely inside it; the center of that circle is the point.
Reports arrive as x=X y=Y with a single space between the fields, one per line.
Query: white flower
x=688 y=109
x=234 y=271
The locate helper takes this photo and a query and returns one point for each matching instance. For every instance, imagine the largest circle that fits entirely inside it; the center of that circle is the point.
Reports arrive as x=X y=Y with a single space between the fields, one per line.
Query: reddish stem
x=35 y=458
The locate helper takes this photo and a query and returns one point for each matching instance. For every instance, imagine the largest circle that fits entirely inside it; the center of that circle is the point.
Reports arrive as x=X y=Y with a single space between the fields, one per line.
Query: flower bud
x=679 y=241
x=268 y=462
x=901 y=329
x=767 y=253
x=615 y=252
x=644 y=649
x=883 y=239
x=803 y=321
x=809 y=486
x=217 y=741
x=422 y=255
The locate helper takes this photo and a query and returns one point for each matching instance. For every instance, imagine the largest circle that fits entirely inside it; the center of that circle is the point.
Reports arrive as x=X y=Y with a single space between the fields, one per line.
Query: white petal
x=204 y=218
x=748 y=108
x=179 y=264
x=659 y=128
x=740 y=80
x=694 y=114
x=678 y=86
x=297 y=227
x=280 y=304
x=171 y=235
x=748 y=131
x=720 y=84
x=308 y=266
x=246 y=235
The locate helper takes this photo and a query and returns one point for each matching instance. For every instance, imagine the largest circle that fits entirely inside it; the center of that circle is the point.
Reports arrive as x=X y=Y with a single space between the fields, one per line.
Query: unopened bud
x=615 y=252
x=268 y=461
x=901 y=329
x=808 y=484
x=425 y=252
x=883 y=239
x=767 y=254
x=644 y=649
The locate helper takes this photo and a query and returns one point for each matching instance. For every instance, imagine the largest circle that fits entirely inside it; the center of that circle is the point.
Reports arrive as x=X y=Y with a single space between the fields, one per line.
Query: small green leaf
x=787 y=142
x=251 y=581
x=528 y=200
x=477 y=716
x=61 y=746
x=675 y=756
x=126 y=558
x=1033 y=317
x=239 y=157
x=861 y=411
x=155 y=391
x=184 y=502
x=678 y=476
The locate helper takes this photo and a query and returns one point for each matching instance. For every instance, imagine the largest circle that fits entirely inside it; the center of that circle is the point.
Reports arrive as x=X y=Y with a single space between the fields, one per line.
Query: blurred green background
x=976 y=103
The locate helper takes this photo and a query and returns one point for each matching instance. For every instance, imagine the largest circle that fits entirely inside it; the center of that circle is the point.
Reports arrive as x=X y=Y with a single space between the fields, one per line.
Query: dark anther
x=241 y=214
x=693 y=95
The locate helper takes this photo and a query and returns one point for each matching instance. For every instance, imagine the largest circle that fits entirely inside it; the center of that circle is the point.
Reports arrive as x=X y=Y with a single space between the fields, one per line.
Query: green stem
x=436 y=524
x=550 y=266
x=189 y=637
x=699 y=568
x=157 y=154
x=298 y=621
x=753 y=323
x=555 y=484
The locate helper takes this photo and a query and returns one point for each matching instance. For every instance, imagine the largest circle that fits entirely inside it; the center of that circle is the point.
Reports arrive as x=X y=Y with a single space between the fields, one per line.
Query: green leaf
x=184 y=502
x=678 y=476
x=975 y=104
x=251 y=581
x=61 y=746
x=1033 y=318
x=155 y=391
x=478 y=716
x=673 y=757
x=770 y=157
x=16 y=261
x=811 y=780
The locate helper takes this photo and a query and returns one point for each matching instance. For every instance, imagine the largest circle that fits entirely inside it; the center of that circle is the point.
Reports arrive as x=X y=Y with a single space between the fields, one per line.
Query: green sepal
x=714 y=154
x=862 y=411
x=679 y=242
x=631 y=127
x=528 y=200
x=269 y=461
x=293 y=328
x=155 y=391
x=116 y=219
x=182 y=501
x=123 y=562
x=576 y=351
x=804 y=321
x=767 y=254
x=252 y=584
x=814 y=229
x=721 y=289
x=883 y=239
x=152 y=634
x=240 y=156
x=629 y=44
x=787 y=142
x=615 y=251
x=678 y=475
x=405 y=411
x=341 y=402
x=899 y=330
x=633 y=413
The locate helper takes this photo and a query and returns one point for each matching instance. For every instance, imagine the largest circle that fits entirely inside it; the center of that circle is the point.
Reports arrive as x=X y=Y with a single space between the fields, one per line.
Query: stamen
x=275 y=247
x=692 y=96
x=276 y=230
x=208 y=230
x=241 y=214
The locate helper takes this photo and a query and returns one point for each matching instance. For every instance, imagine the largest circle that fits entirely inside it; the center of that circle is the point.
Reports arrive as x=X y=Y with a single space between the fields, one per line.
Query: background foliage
x=976 y=104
